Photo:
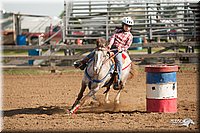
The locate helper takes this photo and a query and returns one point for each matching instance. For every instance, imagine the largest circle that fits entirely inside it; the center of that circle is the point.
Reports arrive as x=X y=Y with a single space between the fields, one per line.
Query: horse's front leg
x=80 y=95
x=82 y=101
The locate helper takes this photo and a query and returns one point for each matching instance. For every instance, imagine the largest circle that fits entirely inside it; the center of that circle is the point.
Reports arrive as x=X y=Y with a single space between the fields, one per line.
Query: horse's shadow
x=51 y=110
x=38 y=110
x=110 y=108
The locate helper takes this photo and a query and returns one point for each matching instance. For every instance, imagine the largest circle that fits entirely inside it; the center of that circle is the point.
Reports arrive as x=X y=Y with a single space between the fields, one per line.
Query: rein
x=99 y=81
x=96 y=80
x=110 y=70
x=112 y=55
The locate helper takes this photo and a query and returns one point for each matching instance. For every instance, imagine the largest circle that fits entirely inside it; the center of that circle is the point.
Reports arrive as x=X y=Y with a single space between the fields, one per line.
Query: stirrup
x=118 y=85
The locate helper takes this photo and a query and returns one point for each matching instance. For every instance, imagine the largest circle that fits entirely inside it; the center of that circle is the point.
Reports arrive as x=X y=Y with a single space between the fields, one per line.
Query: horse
x=98 y=74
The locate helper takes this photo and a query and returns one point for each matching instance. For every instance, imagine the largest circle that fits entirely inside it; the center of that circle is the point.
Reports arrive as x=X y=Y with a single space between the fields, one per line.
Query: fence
x=175 y=55
x=174 y=20
x=167 y=25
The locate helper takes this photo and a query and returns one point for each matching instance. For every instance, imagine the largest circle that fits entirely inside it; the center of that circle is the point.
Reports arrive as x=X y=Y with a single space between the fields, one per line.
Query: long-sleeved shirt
x=121 y=39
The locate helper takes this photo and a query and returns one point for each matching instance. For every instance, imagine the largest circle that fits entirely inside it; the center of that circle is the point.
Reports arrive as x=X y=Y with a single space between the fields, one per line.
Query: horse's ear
x=101 y=42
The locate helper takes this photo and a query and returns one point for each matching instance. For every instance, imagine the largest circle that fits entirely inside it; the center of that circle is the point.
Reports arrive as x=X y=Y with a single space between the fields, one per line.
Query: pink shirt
x=121 y=38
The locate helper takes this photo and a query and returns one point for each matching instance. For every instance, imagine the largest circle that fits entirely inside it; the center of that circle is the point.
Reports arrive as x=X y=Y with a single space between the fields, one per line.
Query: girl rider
x=120 y=41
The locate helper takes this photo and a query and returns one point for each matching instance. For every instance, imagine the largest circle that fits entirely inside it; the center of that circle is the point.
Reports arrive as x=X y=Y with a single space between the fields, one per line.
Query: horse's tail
x=134 y=71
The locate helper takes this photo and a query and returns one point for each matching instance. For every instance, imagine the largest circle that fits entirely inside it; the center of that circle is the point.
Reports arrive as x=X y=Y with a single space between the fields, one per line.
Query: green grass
x=37 y=71
x=187 y=68
x=25 y=52
x=157 y=49
x=24 y=72
x=72 y=70
x=15 y=52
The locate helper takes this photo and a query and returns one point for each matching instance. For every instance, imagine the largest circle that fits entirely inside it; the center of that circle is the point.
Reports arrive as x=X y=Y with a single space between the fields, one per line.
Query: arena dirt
x=40 y=103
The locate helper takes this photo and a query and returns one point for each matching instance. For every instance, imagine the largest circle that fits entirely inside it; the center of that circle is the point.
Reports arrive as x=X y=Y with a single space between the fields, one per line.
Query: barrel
x=33 y=52
x=137 y=40
x=161 y=88
x=21 y=40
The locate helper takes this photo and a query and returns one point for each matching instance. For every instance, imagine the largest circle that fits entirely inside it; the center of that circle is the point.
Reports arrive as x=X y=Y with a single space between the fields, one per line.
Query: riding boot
x=116 y=86
x=81 y=63
x=115 y=82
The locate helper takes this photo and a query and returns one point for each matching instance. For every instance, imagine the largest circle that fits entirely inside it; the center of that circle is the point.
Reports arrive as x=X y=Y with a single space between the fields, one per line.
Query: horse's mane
x=101 y=42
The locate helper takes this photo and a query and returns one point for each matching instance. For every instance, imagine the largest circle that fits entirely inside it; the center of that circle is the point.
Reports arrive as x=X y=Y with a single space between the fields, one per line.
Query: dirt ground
x=39 y=103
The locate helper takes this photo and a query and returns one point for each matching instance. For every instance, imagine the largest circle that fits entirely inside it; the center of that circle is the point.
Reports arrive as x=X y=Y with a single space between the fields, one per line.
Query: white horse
x=99 y=74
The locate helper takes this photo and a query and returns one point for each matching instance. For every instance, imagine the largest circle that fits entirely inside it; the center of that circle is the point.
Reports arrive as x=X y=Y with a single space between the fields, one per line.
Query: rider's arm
x=128 y=43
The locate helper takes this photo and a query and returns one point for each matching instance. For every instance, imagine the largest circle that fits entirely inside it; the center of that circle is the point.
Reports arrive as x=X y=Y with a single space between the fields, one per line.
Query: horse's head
x=100 y=57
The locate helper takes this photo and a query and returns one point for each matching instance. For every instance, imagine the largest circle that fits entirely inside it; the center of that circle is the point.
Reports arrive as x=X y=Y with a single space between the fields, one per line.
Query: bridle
x=104 y=60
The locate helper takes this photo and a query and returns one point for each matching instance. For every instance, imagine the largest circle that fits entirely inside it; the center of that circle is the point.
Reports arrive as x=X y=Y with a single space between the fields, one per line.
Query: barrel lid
x=161 y=68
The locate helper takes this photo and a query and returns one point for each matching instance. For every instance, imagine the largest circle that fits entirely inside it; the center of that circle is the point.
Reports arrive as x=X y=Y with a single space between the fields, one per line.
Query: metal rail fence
x=165 y=21
x=168 y=25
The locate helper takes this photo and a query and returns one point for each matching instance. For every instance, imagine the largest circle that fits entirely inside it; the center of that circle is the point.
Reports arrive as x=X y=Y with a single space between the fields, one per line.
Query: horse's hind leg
x=124 y=79
x=107 y=96
x=117 y=97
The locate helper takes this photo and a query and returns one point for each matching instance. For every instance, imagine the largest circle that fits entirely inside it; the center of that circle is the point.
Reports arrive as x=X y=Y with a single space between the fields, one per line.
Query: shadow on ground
x=108 y=108
x=39 y=110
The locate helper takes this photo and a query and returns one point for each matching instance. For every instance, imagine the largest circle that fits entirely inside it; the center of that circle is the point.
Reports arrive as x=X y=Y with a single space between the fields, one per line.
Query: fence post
x=150 y=35
x=107 y=27
x=107 y=20
x=194 y=27
x=64 y=22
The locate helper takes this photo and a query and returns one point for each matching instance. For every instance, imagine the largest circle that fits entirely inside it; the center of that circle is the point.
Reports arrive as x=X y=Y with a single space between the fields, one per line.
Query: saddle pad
x=125 y=60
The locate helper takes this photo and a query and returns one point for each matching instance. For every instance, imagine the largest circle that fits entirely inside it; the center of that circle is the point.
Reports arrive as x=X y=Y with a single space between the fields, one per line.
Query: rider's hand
x=119 y=49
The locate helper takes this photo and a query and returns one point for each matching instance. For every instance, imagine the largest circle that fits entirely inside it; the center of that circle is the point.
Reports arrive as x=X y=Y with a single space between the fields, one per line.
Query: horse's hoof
x=74 y=109
x=107 y=102
x=117 y=102
x=68 y=112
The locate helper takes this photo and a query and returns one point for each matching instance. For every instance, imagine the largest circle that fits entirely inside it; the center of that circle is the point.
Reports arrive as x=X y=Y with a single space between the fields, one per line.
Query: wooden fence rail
x=88 y=20
x=92 y=46
x=133 y=56
x=69 y=59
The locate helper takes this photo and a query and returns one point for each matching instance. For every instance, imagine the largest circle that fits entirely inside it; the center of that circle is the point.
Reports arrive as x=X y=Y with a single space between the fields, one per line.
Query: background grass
x=25 y=52
x=73 y=70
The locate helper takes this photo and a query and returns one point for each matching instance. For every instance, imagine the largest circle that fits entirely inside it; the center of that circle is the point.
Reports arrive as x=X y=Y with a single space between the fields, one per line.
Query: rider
x=120 y=41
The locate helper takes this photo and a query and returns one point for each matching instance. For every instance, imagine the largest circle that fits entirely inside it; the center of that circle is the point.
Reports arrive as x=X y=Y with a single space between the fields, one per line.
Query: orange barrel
x=161 y=88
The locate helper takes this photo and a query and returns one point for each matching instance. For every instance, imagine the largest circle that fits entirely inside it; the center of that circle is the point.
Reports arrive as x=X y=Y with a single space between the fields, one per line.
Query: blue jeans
x=90 y=55
x=118 y=60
